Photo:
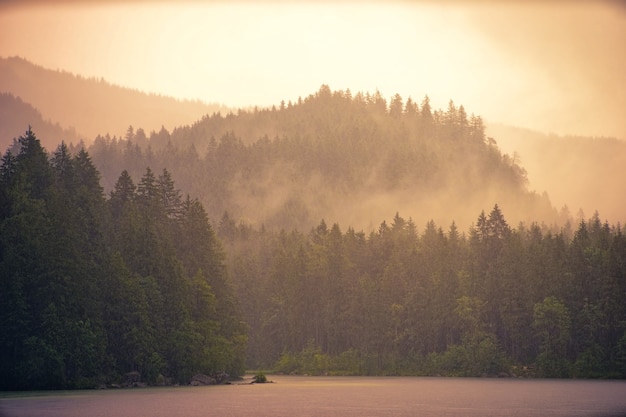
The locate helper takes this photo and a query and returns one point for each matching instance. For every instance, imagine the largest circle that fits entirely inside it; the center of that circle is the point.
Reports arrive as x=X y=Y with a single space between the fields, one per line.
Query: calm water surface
x=336 y=397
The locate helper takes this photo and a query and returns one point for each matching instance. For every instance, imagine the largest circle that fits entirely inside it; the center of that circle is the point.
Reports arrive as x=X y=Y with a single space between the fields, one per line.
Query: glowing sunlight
x=244 y=54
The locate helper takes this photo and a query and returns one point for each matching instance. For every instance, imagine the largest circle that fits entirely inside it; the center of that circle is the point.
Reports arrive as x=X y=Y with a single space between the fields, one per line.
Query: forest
x=93 y=288
x=351 y=159
x=409 y=300
x=271 y=251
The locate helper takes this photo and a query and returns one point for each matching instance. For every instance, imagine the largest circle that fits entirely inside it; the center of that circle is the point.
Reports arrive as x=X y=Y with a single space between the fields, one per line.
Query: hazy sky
x=548 y=66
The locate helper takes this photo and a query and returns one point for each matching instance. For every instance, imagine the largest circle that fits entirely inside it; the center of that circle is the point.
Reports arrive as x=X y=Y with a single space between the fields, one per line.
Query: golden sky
x=544 y=65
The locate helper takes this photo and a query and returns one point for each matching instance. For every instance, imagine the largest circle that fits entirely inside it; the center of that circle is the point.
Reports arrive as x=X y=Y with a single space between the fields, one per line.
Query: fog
x=553 y=67
x=572 y=52
x=278 y=198
x=583 y=173
x=167 y=276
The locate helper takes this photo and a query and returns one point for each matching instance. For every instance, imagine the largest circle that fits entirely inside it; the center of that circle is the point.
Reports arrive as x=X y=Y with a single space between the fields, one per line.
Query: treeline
x=349 y=159
x=92 y=288
x=403 y=301
x=91 y=106
x=15 y=114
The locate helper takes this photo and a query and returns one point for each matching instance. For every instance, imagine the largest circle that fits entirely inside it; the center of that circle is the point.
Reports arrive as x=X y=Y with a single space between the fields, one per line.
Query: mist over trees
x=426 y=300
x=348 y=159
x=273 y=255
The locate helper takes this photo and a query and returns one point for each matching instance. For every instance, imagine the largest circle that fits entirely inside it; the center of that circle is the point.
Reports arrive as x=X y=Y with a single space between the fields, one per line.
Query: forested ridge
x=351 y=159
x=15 y=114
x=91 y=106
x=92 y=288
x=107 y=269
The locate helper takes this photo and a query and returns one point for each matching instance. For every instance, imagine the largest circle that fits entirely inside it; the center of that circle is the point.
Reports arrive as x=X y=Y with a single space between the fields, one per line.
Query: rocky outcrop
x=213 y=379
x=201 y=379
x=131 y=378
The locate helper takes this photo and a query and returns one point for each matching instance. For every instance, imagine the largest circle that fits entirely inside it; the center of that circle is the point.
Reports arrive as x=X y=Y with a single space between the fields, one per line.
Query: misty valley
x=339 y=235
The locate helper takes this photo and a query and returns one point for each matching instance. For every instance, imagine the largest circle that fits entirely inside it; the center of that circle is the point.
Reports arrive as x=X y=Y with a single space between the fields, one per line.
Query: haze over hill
x=549 y=66
x=139 y=288
x=575 y=172
x=351 y=159
x=93 y=106
x=582 y=173
x=344 y=231
x=16 y=116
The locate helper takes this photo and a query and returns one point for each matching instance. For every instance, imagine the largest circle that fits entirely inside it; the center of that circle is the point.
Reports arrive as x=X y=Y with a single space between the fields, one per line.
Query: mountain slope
x=584 y=173
x=16 y=116
x=92 y=106
x=352 y=160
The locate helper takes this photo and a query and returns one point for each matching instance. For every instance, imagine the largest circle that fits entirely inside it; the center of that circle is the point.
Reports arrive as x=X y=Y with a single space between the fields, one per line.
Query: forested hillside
x=343 y=158
x=93 y=288
x=282 y=262
x=411 y=299
x=92 y=106
x=15 y=114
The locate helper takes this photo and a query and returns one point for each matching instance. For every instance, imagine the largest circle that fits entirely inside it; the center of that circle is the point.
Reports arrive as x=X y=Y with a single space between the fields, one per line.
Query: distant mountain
x=585 y=173
x=332 y=156
x=16 y=116
x=91 y=106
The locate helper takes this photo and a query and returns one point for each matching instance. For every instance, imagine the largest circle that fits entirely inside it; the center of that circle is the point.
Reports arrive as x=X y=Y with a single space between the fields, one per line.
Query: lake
x=337 y=397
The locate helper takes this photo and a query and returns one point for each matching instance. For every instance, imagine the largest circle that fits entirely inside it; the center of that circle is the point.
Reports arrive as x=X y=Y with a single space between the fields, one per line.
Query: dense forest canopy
x=423 y=300
x=93 y=288
x=274 y=256
x=347 y=159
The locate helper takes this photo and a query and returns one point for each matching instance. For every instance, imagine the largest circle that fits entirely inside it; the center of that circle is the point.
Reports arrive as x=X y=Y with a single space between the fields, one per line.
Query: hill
x=352 y=160
x=584 y=173
x=93 y=106
x=16 y=116
x=137 y=289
